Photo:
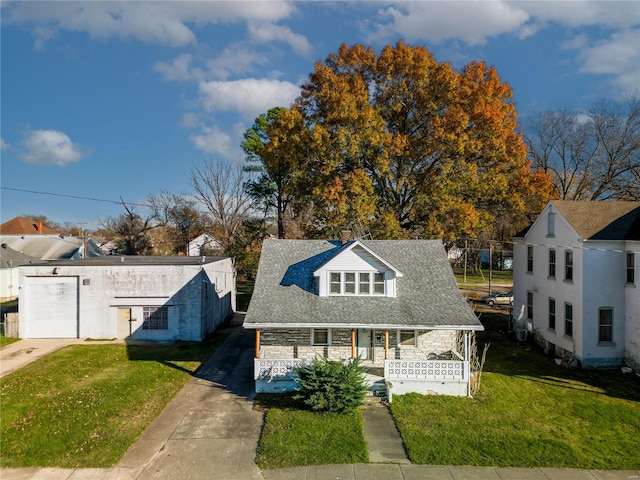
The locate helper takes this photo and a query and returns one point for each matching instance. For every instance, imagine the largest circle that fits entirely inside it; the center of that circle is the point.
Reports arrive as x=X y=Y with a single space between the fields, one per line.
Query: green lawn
x=244 y=290
x=4 y=341
x=84 y=405
x=529 y=413
x=482 y=276
x=294 y=437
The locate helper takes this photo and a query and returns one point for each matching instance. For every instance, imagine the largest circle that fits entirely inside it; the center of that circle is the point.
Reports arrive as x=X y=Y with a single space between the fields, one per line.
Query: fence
x=9 y=326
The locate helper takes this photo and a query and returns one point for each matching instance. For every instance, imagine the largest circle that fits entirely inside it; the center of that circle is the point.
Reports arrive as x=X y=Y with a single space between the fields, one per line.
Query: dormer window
x=356 y=283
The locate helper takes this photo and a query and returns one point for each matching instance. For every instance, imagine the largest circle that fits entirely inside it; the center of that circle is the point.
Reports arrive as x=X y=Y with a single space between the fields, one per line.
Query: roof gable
x=602 y=220
x=354 y=246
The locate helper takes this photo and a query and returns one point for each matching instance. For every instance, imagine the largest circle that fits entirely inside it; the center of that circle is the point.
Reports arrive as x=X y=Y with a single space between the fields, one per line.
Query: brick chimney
x=346 y=236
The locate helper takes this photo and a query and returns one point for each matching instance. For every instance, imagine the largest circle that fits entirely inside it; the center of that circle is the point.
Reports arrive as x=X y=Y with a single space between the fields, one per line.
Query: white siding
x=49 y=307
x=632 y=312
x=198 y=298
x=598 y=282
x=355 y=260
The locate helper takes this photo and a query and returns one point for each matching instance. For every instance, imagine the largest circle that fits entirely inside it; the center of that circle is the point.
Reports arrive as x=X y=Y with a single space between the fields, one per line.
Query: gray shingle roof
x=127 y=260
x=427 y=294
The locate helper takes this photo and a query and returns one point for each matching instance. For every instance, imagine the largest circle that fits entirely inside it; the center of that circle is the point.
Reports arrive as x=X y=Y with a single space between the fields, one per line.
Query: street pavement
x=210 y=430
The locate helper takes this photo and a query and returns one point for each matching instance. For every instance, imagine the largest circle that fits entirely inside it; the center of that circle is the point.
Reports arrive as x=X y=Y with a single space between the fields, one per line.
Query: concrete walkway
x=210 y=431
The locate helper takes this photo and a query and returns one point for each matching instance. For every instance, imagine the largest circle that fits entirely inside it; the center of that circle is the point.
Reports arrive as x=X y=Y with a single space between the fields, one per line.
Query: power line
x=77 y=197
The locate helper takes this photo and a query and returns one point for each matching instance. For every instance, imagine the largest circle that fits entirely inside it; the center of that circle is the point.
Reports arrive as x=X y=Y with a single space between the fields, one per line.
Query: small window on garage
x=155 y=318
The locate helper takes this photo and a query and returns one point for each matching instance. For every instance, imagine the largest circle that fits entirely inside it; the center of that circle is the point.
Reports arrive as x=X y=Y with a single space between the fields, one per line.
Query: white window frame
x=529 y=258
x=568 y=319
x=568 y=266
x=313 y=337
x=600 y=310
x=373 y=283
x=630 y=270
x=552 y=263
x=551 y=225
x=552 y=314
x=151 y=322
x=529 y=305
x=399 y=338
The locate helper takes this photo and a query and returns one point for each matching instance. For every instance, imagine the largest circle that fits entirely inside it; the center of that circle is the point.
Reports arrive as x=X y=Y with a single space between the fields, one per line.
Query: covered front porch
x=396 y=361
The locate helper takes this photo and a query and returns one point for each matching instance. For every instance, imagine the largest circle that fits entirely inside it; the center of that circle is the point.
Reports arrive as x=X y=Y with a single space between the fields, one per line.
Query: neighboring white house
x=203 y=244
x=577 y=282
x=393 y=303
x=152 y=298
x=10 y=260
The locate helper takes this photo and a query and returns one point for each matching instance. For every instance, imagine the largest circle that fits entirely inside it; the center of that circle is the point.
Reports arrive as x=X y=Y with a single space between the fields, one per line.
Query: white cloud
x=575 y=13
x=235 y=59
x=51 y=147
x=179 y=69
x=619 y=56
x=4 y=145
x=250 y=97
x=268 y=32
x=164 y=23
x=213 y=140
x=472 y=22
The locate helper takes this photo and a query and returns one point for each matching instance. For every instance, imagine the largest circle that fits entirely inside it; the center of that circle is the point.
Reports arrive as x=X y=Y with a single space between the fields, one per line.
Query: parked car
x=498 y=299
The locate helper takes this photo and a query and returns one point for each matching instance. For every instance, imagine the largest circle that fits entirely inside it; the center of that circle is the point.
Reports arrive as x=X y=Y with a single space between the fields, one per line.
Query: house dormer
x=357 y=271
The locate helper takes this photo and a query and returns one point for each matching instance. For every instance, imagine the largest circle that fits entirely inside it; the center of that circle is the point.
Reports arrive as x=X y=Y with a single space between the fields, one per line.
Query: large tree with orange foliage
x=400 y=143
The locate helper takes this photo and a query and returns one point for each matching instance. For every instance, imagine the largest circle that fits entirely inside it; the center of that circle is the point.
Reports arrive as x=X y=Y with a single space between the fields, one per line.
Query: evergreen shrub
x=331 y=386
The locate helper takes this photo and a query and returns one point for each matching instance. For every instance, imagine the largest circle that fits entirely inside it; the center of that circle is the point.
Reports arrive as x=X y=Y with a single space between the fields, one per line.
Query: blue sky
x=110 y=100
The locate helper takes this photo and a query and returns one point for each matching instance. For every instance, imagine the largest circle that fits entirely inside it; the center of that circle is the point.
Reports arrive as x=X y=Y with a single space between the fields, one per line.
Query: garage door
x=51 y=307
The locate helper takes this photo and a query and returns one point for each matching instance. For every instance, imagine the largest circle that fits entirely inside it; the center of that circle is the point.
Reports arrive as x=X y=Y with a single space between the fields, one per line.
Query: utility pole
x=185 y=225
x=84 y=239
x=465 y=260
x=490 y=264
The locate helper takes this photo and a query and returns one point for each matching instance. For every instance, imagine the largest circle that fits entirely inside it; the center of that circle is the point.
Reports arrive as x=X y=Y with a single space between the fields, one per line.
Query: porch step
x=376 y=387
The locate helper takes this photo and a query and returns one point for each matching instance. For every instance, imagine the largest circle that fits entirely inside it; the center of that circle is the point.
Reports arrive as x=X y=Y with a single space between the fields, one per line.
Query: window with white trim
x=320 y=336
x=407 y=338
x=155 y=318
x=530 y=305
x=335 y=283
x=631 y=268
x=356 y=283
x=552 y=314
x=568 y=265
x=551 y=225
x=552 y=262
x=605 y=325
x=568 y=320
x=529 y=258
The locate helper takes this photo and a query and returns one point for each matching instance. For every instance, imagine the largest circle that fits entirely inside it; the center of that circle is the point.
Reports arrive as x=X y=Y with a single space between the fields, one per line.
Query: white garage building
x=150 y=298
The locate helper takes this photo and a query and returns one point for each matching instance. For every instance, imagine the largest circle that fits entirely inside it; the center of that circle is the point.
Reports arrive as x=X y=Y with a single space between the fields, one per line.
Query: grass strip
x=529 y=413
x=4 y=341
x=292 y=436
x=85 y=405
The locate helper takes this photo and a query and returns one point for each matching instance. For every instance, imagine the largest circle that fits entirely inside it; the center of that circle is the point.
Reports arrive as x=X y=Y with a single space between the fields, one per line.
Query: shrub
x=331 y=386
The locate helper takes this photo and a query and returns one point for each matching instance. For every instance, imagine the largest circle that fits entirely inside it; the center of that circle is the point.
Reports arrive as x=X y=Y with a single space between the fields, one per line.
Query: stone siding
x=296 y=343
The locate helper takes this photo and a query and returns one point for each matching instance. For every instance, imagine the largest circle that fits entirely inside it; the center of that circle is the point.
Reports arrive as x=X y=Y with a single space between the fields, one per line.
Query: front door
x=364 y=343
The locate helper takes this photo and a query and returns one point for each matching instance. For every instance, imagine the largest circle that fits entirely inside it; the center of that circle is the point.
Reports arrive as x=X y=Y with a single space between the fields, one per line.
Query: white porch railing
x=274 y=369
x=426 y=370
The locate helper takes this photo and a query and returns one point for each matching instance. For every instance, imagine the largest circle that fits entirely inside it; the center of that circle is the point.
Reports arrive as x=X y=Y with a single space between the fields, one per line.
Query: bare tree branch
x=219 y=187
